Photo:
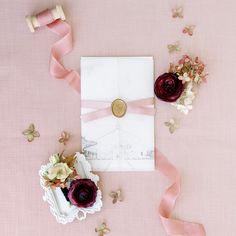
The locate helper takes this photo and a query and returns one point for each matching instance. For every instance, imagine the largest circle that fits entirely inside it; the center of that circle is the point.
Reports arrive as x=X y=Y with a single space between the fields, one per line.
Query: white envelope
x=111 y=143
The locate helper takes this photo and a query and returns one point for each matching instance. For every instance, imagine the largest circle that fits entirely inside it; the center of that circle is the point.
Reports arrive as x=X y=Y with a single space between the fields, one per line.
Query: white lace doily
x=63 y=211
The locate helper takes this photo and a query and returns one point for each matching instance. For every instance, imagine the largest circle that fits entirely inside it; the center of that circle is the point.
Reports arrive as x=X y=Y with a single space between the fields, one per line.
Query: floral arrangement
x=178 y=86
x=80 y=192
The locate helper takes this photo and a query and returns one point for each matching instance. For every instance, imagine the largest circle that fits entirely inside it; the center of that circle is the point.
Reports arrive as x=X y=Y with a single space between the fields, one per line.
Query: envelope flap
x=110 y=75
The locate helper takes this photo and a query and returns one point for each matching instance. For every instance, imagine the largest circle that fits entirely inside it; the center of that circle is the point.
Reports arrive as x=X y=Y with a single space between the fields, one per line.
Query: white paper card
x=111 y=143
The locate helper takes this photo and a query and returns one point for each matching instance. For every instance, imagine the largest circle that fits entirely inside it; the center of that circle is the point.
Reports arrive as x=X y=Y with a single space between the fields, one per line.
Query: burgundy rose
x=168 y=87
x=82 y=193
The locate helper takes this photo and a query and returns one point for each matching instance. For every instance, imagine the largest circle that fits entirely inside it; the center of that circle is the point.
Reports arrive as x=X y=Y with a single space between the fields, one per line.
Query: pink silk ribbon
x=104 y=108
x=172 y=226
x=60 y=49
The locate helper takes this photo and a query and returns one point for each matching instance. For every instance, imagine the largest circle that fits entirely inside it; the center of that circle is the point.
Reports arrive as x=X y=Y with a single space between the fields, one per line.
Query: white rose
x=59 y=171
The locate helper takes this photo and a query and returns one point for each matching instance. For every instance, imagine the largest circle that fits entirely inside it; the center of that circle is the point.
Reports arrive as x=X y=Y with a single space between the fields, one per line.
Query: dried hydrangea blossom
x=65 y=136
x=102 y=229
x=116 y=196
x=30 y=133
x=177 y=12
x=185 y=102
x=174 y=47
x=189 y=67
x=191 y=71
x=189 y=29
x=172 y=125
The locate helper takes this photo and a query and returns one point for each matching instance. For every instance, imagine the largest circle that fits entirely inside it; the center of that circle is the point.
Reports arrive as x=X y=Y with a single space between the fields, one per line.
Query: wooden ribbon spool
x=56 y=13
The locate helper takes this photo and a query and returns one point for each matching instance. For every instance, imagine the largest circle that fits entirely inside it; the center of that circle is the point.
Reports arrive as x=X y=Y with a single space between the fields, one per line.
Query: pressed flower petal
x=30 y=137
x=30 y=133
x=36 y=134
x=177 y=12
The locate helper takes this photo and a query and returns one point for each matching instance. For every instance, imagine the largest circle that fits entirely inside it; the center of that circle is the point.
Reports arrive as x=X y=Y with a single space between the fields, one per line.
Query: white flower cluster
x=184 y=103
x=184 y=77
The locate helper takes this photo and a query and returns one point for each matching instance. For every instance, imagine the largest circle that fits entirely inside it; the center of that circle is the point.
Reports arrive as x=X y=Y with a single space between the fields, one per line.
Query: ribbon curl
x=172 y=226
x=60 y=49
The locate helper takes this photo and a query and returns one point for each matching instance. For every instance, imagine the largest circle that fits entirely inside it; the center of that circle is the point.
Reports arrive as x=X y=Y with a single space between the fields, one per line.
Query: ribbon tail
x=73 y=78
x=174 y=227
x=149 y=111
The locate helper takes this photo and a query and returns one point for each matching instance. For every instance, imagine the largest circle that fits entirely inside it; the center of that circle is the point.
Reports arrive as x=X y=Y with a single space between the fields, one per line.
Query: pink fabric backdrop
x=203 y=149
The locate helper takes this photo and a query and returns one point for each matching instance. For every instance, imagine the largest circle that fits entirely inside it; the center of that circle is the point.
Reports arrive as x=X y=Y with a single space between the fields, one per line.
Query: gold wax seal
x=118 y=108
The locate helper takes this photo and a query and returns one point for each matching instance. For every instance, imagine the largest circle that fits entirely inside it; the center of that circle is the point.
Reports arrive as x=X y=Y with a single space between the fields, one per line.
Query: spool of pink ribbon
x=53 y=19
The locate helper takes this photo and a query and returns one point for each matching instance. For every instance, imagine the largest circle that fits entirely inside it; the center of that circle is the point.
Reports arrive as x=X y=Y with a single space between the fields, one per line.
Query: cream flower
x=59 y=171
x=184 y=108
x=54 y=159
x=184 y=77
x=197 y=79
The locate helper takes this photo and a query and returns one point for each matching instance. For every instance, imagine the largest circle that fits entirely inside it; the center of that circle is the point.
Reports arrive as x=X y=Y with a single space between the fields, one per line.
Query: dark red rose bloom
x=82 y=193
x=168 y=87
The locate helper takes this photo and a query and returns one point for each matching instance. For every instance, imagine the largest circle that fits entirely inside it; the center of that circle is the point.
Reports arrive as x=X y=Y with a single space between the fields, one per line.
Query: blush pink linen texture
x=202 y=149
x=57 y=70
